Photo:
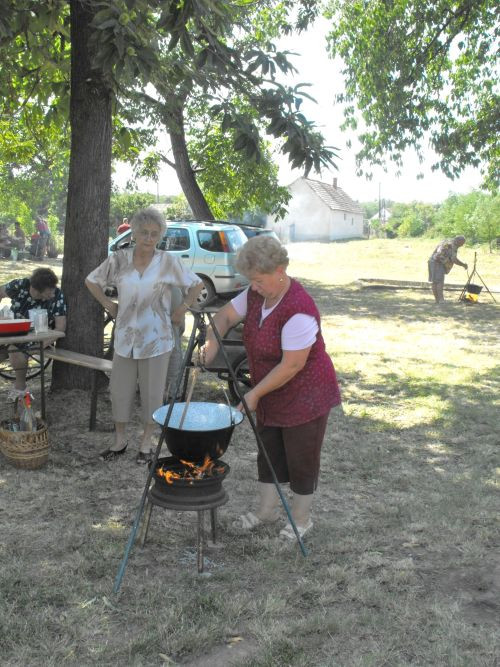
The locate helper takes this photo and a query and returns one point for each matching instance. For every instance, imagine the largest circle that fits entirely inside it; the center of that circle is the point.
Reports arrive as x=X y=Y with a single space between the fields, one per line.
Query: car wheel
x=242 y=373
x=207 y=293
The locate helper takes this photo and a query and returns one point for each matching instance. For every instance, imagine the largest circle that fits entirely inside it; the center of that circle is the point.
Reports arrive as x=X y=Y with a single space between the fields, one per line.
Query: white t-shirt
x=298 y=333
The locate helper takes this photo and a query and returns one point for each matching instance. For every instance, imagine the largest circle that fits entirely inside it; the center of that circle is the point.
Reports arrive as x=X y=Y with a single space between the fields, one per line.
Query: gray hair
x=458 y=240
x=148 y=216
x=261 y=254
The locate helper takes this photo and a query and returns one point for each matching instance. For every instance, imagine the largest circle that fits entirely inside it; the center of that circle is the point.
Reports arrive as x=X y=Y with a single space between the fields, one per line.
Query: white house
x=383 y=215
x=318 y=212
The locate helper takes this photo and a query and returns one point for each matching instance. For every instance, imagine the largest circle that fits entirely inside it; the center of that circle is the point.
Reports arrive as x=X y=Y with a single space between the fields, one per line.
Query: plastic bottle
x=27 y=420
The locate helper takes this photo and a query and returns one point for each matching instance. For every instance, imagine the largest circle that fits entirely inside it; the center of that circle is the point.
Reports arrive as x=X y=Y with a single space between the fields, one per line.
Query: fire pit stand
x=199 y=495
x=200 y=510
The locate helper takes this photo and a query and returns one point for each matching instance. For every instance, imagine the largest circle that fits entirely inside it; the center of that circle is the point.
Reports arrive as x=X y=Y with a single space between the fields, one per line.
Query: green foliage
x=34 y=105
x=207 y=48
x=125 y=204
x=413 y=219
x=232 y=183
x=487 y=219
x=177 y=208
x=34 y=154
x=419 y=71
x=475 y=215
x=369 y=208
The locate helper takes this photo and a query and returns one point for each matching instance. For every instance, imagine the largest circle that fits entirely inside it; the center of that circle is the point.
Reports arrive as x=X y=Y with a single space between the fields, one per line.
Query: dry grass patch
x=403 y=565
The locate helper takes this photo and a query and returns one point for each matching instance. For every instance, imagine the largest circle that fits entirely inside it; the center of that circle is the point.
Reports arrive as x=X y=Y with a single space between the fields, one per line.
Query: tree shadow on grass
x=464 y=411
x=404 y=306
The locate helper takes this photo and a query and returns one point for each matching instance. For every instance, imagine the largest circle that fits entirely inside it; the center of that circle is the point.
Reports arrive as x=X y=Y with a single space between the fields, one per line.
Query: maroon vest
x=314 y=390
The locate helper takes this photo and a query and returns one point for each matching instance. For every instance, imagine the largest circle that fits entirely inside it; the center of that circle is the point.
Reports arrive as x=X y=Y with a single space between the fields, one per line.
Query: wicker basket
x=25 y=449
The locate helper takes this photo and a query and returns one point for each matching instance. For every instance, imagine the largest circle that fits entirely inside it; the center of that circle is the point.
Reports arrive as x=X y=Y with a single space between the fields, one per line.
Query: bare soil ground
x=403 y=565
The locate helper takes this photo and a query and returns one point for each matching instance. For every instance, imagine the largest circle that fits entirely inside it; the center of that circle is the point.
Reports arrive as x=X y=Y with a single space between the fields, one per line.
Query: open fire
x=191 y=471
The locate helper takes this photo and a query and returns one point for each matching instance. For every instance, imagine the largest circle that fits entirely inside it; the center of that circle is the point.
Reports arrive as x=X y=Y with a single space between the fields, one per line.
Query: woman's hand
x=112 y=308
x=178 y=315
x=251 y=399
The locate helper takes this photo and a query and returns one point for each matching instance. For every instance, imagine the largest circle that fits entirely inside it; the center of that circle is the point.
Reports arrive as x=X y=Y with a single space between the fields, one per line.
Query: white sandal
x=288 y=533
x=247 y=522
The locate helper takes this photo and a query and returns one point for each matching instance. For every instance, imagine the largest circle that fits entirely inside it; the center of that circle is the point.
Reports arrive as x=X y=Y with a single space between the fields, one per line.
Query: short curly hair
x=147 y=216
x=42 y=279
x=261 y=254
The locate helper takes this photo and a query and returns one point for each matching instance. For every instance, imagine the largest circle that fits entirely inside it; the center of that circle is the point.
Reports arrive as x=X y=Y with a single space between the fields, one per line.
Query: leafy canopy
x=421 y=71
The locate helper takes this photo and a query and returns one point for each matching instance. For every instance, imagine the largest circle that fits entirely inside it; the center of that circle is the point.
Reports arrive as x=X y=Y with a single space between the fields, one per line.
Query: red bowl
x=14 y=327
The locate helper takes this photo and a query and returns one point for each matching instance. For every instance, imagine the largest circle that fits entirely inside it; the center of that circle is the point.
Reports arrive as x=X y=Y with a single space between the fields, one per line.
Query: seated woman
x=144 y=337
x=38 y=291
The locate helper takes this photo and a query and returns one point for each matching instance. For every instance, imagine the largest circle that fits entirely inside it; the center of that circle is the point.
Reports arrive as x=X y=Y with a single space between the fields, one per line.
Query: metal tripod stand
x=474 y=272
x=197 y=339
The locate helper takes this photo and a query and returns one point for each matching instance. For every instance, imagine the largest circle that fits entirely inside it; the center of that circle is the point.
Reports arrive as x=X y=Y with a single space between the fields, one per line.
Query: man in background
x=123 y=227
x=441 y=262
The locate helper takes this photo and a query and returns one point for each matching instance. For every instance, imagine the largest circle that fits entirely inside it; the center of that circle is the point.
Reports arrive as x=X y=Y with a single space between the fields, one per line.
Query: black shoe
x=112 y=454
x=142 y=458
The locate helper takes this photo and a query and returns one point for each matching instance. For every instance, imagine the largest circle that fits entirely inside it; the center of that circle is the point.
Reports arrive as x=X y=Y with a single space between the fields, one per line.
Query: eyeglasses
x=144 y=234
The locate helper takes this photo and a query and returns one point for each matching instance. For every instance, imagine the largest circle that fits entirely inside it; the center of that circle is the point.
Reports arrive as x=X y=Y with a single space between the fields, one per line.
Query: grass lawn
x=403 y=565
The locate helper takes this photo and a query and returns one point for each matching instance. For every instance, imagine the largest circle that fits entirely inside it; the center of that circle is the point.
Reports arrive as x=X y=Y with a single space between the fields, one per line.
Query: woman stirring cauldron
x=144 y=277
x=294 y=385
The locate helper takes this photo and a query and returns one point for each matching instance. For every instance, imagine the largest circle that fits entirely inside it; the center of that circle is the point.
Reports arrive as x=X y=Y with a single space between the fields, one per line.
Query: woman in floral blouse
x=143 y=276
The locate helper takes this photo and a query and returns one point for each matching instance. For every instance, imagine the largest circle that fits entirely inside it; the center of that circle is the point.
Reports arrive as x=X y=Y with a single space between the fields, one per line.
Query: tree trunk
x=89 y=190
x=183 y=168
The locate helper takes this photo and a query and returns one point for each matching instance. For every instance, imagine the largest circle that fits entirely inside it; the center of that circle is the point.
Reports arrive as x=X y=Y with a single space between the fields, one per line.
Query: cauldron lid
x=200 y=416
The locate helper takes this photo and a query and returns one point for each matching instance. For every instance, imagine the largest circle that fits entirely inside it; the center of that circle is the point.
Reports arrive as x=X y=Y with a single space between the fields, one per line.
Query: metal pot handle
x=230 y=407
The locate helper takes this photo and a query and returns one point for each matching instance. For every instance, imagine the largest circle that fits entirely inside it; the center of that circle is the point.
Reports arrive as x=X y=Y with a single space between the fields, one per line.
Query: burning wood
x=191 y=471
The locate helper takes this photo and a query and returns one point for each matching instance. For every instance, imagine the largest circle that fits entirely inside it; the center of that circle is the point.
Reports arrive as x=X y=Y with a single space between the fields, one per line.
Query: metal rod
x=486 y=286
x=200 y=559
x=189 y=395
x=260 y=444
x=213 y=524
x=42 y=382
x=474 y=272
x=143 y=534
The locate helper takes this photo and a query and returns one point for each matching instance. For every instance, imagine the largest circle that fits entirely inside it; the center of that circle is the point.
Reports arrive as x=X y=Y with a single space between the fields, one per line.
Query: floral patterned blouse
x=143 y=327
x=21 y=301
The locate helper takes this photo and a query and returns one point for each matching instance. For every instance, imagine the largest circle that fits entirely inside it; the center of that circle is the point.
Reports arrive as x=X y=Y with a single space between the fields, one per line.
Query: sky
x=323 y=74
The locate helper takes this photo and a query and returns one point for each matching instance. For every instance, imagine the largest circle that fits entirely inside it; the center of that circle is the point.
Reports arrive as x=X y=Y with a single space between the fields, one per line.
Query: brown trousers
x=294 y=453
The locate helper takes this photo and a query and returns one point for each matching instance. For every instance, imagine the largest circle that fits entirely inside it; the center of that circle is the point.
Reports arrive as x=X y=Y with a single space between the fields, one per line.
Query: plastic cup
x=41 y=321
x=31 y=315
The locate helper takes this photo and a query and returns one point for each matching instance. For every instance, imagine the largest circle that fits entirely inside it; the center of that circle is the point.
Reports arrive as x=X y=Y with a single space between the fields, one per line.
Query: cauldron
x=474 y=289
x=206 y=430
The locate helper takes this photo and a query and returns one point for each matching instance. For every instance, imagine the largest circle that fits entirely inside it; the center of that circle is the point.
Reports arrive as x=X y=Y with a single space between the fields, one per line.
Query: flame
x=192 y=471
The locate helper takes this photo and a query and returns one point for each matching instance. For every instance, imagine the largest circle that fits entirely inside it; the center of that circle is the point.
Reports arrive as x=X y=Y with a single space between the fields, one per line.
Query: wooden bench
x=97 y=364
